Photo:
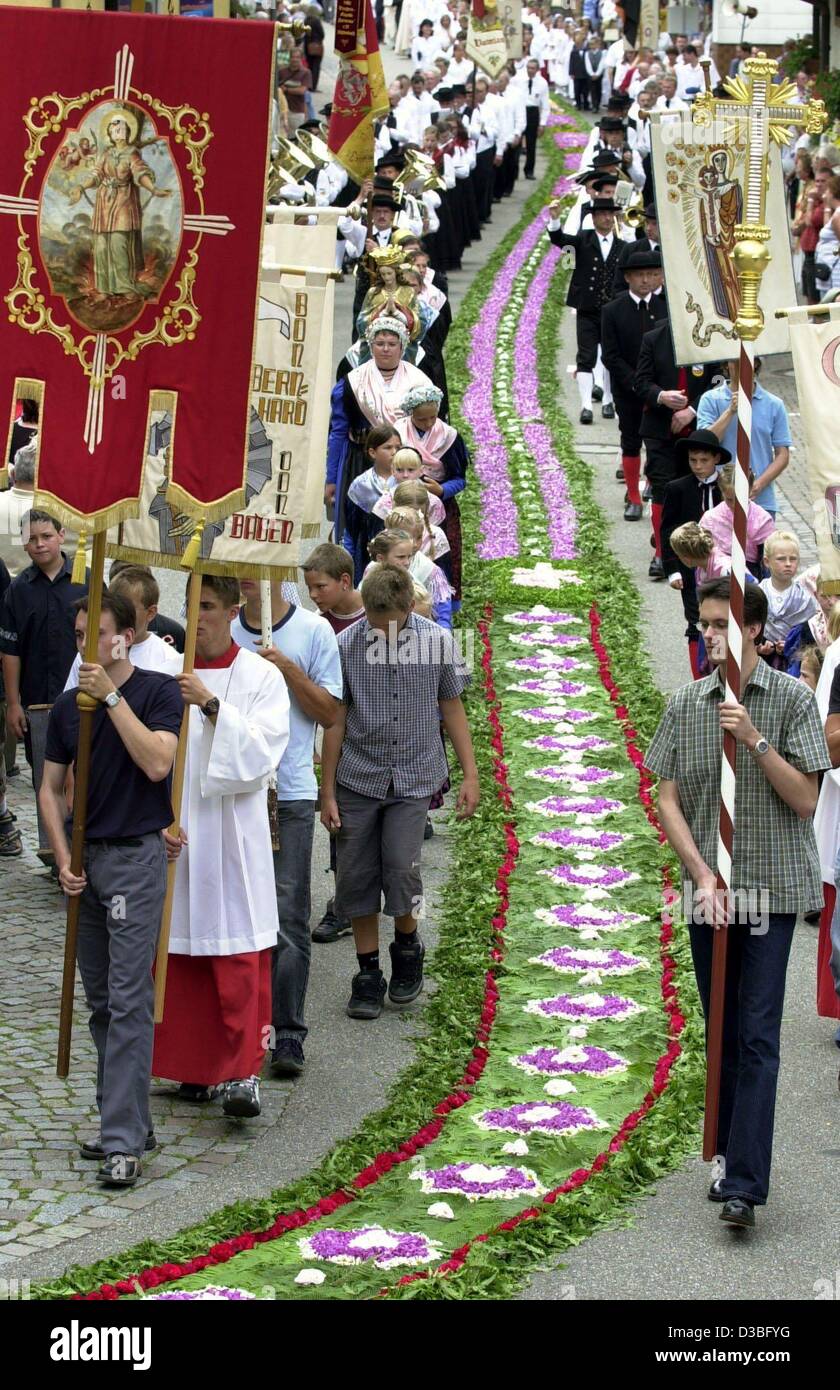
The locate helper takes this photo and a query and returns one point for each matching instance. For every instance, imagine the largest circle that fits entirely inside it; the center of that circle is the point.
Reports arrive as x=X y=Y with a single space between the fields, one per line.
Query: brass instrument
x=635 y=217
x=294 y=159
x=297 y=28
x=314 y=147
x=419 y=168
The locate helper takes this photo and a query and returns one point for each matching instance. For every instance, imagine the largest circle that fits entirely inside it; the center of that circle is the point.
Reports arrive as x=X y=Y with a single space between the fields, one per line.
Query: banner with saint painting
x=286 y=434
x=699 y=201
x=132 y=183
x=815 y=345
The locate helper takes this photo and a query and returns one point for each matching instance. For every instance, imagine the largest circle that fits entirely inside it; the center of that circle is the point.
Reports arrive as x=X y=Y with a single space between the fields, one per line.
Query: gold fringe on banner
x=157 y=560
x=310 y=531
x=80 y=559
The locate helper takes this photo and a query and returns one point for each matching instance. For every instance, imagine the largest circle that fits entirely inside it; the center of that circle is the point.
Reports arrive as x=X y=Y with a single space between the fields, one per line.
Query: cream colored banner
x=647 y=34
x=698 y=202
x=815 y=345
x=486 y=43
x=287 y=413
x=312 y=246
x=510 y=13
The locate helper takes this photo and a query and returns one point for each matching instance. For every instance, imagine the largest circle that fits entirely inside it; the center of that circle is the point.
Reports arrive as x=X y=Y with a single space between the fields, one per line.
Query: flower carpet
x=561 y=1072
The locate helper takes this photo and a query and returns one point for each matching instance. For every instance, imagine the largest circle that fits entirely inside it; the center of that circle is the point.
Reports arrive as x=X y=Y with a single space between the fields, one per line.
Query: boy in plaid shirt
x=382 y=761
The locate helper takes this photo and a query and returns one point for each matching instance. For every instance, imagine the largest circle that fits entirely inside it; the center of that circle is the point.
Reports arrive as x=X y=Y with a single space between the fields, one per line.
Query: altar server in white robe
x=217 y=1020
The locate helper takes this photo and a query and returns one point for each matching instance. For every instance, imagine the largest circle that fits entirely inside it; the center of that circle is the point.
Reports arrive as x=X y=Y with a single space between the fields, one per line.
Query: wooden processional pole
x=769 y=112
x=193 y=600
x=86 y=705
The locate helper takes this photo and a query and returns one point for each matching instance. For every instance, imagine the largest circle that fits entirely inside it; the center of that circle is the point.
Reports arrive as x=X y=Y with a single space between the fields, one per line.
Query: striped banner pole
x=726 y=823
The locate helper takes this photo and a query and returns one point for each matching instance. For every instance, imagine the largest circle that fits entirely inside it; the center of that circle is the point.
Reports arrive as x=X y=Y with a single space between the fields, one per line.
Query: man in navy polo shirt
x=36 y=639
x=123 y=882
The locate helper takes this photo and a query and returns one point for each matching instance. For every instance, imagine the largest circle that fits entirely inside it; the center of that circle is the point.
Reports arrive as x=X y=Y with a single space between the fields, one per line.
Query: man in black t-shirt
x=123 y=883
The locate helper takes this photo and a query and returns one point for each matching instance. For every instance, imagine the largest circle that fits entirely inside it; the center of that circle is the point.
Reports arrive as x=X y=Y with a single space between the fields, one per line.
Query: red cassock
x=132 y=206
x=218 y=1011
x=828 y=1003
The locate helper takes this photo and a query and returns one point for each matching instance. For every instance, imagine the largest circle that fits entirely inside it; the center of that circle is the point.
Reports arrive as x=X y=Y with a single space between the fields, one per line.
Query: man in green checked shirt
x=775 y=868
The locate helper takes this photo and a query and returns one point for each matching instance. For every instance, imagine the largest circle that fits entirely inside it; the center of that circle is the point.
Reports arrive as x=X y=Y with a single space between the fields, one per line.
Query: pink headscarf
x=431 y=446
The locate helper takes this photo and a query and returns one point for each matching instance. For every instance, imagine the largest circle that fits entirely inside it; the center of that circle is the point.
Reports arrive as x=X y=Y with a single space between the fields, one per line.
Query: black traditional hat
x=395 y=159
x=650 y=212
x=702 y=439
x=643 y=260
x=604 y=205
x=610 y=123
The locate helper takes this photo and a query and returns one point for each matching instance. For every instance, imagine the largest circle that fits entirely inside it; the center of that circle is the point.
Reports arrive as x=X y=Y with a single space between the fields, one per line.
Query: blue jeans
x=292 y=872
x=756 y=966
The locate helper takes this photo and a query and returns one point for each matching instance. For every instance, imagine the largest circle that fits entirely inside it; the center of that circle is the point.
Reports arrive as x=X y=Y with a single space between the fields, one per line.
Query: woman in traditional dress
x=369 y=395
x=445 y=462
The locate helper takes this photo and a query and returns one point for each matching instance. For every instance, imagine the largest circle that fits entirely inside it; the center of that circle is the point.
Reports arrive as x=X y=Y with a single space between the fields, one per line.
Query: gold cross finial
x=771 y=111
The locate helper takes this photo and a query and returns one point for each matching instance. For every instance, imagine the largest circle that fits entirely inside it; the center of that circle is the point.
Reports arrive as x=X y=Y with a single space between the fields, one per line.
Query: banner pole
x=86 y=706
x=179 y=767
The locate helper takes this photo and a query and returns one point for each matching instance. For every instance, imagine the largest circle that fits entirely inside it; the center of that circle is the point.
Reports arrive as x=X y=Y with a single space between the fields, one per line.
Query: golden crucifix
x=770 y=111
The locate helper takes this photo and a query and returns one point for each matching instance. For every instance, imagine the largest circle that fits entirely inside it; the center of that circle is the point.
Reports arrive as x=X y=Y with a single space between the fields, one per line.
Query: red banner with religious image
x=132 y=206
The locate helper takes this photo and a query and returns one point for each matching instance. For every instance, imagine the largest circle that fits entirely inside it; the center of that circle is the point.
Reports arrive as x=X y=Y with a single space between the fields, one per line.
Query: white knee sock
x=607 y=388
x=584 y=381
x=599 y=373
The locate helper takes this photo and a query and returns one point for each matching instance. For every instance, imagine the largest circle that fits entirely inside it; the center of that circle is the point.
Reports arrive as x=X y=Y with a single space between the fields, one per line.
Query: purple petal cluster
x=588 y=1007
x=551 y=474
x=568 y=839
x=579 y=805
x=575 y=916
x=554 y=1117
x=601 y=876
x=371 y=1244
x=505 y=1182
x=569 y=743
x=554 y=1061
x=565 y=958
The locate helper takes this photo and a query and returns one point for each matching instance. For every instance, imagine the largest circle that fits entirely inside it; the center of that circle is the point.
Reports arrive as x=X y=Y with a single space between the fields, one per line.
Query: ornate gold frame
x=27 y=305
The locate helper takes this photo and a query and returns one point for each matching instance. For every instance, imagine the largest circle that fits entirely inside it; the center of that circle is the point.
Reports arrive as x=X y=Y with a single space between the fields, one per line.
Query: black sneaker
x=196 y=1095
x=94 y=1149
x=714 y=1193
x=11 y=844
x=406 y=970
x=655 y=569
x=120 y=1170
x=607 y=411
x=287 y=1059
x=366 y=994
x=430 y=830
x=597 y=393
x=241 y=1099
x=331 y=926
x=586 y=417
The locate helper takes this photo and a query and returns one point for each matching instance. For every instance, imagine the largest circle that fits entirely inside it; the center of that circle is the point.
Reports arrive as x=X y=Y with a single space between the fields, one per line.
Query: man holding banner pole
x=767 y=729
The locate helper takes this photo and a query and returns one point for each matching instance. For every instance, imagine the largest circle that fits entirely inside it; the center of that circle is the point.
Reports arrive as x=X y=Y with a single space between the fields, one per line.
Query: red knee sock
x=656 y=522
x=694 y=659
x=632 y=465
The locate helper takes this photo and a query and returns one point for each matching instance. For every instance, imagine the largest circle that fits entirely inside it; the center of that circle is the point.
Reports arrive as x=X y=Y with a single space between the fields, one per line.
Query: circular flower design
x=479 y=1180
x=584 y=807
x=588 y=875
x=568 y=743
x=570 y=1061
x=555 y=714
x=216 y=1293
x=572 y=960
x=585 y=1006
x=372 y=1245
x=557 y=1118
x=579 y=918
x=585 y=838
x=565 y=664
x=573 y=772
x=542 y=615
x=546 y=638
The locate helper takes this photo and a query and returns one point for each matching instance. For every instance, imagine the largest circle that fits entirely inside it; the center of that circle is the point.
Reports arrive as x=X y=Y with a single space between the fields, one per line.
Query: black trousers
x=582 y=93
x=532 y=130
x=595 y=85
x=588 y=323
x=485 y=175
x=629 y=410
x=509 y=170
x=660 y=466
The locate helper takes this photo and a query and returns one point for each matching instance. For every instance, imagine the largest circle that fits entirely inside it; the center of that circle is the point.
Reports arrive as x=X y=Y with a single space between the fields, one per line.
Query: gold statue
x=390 y=297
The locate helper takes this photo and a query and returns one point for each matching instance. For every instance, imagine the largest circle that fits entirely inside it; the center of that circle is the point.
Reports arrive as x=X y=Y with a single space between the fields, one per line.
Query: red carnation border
x=225 y=1250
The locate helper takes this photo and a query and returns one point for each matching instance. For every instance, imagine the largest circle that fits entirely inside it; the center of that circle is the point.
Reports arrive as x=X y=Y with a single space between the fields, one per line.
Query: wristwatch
x=761 y=747
x=113 y=699
x=212 y=706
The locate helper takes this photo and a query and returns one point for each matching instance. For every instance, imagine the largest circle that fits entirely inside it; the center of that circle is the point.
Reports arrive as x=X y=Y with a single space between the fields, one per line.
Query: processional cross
x=770 y=113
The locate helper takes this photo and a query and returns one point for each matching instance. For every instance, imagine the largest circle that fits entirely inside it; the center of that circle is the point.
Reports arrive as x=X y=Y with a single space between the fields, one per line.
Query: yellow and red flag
x=360 y=92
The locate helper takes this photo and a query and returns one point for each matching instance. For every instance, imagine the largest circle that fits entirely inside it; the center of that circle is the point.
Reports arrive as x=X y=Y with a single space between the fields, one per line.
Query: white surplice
x=225 y=902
